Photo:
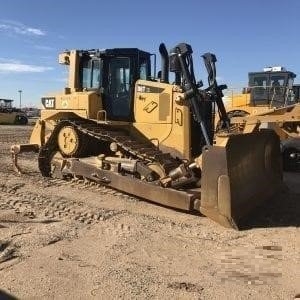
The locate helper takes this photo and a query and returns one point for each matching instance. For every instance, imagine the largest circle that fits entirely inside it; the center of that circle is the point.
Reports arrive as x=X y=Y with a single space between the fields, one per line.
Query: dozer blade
x=239 y=176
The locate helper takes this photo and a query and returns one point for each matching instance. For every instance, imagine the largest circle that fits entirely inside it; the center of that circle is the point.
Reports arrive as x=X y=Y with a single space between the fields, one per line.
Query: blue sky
x=244 y=35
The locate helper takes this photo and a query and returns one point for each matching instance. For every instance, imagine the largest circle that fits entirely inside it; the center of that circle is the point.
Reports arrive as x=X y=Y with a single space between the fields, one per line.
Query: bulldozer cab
x=6 y=105
x=272 y=88
x=113 y=72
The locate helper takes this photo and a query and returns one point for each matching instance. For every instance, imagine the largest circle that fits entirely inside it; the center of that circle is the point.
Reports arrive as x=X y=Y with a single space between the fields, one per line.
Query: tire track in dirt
x=35 y=205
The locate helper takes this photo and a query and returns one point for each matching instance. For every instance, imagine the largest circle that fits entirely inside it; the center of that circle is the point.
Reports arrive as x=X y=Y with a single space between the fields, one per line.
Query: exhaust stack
x=164 y=63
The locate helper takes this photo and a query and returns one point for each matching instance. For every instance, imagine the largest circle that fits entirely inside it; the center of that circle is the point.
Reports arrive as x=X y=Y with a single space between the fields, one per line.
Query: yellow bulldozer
x=10 y=114
x=119 y=125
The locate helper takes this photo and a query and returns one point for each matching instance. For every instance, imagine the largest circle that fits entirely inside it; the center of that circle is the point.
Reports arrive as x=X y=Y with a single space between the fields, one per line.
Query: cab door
x=259 y=89
x=118 y=92
x=278 y=89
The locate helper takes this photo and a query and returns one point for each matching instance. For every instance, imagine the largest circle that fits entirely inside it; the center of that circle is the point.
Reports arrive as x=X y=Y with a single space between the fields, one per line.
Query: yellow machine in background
x=10 y=114
x=271 y=100
x=272 y=88
x=118 y=125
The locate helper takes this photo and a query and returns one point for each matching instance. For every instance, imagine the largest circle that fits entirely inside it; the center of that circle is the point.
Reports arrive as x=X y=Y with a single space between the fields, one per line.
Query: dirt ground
x=72 y=241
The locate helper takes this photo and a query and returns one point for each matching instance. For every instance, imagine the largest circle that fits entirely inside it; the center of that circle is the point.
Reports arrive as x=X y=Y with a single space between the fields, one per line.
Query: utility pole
x=20 y=94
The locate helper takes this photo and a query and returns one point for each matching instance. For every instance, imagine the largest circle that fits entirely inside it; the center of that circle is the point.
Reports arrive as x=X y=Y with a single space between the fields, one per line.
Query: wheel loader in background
x=10 y=114
x=271 y=100
x=272 y=88
x=117 y=125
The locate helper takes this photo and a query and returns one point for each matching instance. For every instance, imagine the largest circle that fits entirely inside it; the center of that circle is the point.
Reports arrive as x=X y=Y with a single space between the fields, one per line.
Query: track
x=127 y=144
x=14 y=199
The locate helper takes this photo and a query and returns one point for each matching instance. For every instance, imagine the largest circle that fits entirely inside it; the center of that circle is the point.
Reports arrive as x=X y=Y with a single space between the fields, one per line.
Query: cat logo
x=48 y=102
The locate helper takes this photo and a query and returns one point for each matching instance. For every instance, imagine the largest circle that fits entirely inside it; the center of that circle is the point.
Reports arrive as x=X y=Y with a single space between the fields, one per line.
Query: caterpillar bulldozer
x=271 y=100
x=10 y=114
x=117 y=125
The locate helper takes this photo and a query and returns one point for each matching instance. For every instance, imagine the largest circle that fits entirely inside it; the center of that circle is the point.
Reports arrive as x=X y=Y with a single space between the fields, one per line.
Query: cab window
x=143 y=69
x=259 y=81
x=119 y=74
x=91 y=74
x=277 y=80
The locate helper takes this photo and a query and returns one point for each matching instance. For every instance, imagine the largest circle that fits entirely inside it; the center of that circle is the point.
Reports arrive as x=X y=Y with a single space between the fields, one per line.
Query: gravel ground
x=73 y=241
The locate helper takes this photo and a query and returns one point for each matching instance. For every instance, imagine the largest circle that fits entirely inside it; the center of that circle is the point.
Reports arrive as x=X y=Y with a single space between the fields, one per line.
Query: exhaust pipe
x=164 y=63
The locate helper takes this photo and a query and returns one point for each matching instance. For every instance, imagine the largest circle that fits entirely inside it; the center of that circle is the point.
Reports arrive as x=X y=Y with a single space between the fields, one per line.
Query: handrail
x=102 y=111
x=236 y=97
